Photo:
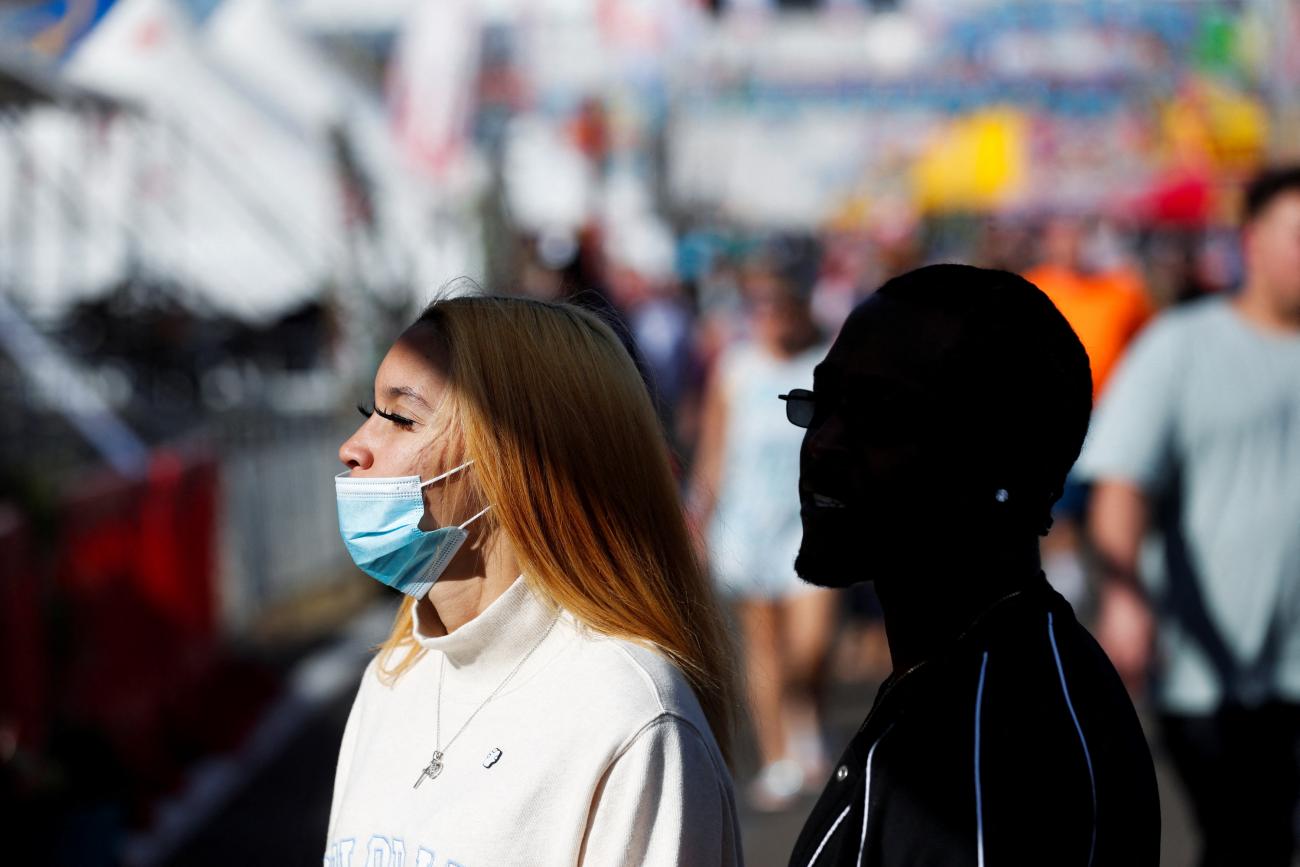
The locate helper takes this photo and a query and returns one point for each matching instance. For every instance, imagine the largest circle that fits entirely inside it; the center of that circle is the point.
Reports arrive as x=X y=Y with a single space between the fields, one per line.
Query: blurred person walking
x=1105 y=302
x=1198 y=439
x=1107 y=305
x=558 y=685
x=940 y=429
x=743 y=495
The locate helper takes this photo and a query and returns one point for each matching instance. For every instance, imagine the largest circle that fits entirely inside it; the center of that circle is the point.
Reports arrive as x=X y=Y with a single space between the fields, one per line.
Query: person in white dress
x=745 y=501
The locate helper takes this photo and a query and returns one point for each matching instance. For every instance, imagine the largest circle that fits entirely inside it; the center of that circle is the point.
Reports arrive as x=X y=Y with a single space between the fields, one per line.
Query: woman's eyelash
x=399 y=420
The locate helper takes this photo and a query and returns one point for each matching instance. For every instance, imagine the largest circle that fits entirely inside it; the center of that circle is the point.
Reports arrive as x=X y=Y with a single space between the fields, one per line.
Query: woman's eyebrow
x=407 y=391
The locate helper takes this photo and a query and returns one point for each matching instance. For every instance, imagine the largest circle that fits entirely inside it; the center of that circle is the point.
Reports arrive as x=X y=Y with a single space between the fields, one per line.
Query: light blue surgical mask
x=380 y=522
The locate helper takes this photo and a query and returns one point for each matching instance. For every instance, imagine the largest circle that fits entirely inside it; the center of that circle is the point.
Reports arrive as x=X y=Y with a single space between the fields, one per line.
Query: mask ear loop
x=450 y=472
x=475 y=518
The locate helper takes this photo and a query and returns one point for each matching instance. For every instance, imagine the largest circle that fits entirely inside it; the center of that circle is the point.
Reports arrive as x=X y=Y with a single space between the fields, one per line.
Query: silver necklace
x=434 y=768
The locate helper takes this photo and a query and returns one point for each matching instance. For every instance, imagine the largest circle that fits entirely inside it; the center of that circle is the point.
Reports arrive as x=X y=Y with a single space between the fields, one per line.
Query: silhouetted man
x=941 y=427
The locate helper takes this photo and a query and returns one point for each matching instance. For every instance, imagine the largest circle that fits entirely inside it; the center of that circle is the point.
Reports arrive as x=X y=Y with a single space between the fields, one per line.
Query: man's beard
x=828 y=555
x=842 y=547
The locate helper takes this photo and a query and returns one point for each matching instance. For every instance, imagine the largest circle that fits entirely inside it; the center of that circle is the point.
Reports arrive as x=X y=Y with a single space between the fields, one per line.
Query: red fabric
x=136 y=573
x=24 y=649
x=1180 y=199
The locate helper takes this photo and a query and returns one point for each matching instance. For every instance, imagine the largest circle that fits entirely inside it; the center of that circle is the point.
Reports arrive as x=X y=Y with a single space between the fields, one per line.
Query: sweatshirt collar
x=498 y=637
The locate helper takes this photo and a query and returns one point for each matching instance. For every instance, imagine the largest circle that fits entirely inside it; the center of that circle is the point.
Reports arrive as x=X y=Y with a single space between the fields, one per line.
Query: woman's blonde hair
x=570 y=453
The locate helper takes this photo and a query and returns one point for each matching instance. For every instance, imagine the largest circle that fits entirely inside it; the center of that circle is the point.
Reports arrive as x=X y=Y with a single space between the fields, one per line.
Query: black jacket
x=1016 y=746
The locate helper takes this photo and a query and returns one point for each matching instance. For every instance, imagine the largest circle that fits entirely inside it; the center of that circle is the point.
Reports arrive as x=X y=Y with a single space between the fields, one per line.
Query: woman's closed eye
x=399 y=420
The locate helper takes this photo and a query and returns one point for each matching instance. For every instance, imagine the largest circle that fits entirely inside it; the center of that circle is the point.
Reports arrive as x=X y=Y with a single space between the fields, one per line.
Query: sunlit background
x=216 y=214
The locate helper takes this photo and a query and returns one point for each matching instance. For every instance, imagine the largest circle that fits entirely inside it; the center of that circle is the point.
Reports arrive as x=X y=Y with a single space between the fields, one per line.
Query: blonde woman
x=558 y=685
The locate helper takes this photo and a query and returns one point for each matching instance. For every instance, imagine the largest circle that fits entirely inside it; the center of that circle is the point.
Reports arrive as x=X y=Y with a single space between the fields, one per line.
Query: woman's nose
x=354 y=454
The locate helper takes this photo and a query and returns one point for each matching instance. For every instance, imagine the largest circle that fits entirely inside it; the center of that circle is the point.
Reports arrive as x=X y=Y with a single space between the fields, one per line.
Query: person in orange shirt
x=1106 y=307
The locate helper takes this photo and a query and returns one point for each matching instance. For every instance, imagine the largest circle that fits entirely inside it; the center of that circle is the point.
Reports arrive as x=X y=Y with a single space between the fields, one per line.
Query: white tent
x=62 y=235
x=425 y=228
x=240 y=202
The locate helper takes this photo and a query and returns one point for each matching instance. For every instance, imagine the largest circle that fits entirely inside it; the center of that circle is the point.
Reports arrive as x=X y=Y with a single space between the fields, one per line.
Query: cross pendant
x=432 y=771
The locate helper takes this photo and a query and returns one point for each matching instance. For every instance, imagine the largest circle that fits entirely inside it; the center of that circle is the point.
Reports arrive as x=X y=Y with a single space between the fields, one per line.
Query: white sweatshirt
x=596 y=752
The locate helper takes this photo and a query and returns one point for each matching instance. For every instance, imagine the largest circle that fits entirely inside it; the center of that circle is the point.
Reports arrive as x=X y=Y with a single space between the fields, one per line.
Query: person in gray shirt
x=1195 y=457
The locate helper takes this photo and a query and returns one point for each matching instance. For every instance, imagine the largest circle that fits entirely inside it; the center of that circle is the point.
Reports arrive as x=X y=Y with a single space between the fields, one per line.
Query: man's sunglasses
x=893 y=417
x=800 y=404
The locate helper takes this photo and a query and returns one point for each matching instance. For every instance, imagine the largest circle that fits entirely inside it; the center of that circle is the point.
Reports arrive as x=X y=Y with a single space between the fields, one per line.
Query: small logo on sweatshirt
x=492 y=757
